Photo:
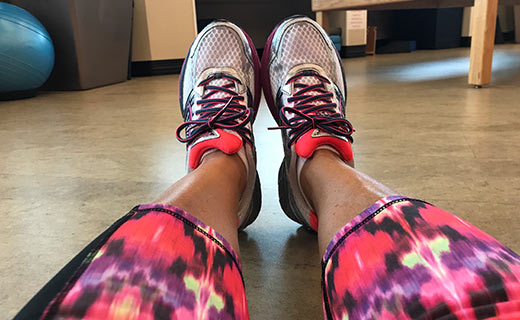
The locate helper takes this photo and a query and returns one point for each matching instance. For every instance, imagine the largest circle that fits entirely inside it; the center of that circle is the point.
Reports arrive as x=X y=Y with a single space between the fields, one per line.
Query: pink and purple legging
x=399 y=259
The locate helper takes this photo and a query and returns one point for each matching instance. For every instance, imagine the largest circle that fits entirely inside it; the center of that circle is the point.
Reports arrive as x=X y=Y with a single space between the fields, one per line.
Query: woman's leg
x=402 y=258
x=159 y=260
x=337 y=192
x=215 y=186
x=171 y=259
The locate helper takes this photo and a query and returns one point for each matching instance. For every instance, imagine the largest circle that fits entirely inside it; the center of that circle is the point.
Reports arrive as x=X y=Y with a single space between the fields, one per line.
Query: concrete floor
x=73 y=162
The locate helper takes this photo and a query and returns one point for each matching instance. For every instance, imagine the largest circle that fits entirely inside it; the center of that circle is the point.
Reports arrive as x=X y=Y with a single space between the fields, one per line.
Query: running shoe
x=219 y=93
x=305 y=89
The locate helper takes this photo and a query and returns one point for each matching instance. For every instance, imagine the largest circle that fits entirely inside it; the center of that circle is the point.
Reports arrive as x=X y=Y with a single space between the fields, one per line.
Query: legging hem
x=361 y=219
x=197 y=225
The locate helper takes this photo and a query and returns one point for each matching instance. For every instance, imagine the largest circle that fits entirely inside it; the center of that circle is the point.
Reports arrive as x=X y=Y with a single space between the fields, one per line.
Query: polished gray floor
x=73 y=162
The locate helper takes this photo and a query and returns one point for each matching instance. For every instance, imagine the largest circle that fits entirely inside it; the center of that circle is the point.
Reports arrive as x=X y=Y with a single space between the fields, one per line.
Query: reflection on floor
x=73 y=162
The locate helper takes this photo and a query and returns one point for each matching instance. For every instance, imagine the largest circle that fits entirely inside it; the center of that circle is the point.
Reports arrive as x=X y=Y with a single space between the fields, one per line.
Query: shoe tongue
x=303 y=80
x=309 y=80
x=219 y=139
x=313 y=139
x=218 y=82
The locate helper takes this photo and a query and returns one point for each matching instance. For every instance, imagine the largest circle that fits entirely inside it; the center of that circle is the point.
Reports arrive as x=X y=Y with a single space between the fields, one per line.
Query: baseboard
x=352 y=51
x=15 y=95
x=156 y=67
x=501 y=38
x=509 y=36
x=395 y=46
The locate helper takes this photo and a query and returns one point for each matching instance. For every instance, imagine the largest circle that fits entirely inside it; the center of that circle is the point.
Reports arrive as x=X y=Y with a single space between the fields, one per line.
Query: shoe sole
x=254 y=208
x=256 y=201
x=287 y=201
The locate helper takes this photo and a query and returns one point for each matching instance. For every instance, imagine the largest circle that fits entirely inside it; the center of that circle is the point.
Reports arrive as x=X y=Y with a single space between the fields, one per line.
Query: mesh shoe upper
x=301 y=44
x=221 y=46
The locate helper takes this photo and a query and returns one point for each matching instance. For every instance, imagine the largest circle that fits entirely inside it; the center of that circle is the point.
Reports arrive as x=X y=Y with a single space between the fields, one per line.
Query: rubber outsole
x=256 y=204
x=287 y=201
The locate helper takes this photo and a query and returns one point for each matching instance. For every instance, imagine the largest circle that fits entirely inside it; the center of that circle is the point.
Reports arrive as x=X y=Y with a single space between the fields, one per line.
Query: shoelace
x=311 y=115
x=224 y=113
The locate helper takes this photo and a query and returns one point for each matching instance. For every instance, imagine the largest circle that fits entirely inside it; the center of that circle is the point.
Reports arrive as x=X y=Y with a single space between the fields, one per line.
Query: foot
x=219 y=97
x=305 y=89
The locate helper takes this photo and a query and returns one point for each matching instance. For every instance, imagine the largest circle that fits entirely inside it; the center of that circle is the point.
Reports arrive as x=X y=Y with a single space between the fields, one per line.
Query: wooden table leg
x=323 y=18
x=482 y=42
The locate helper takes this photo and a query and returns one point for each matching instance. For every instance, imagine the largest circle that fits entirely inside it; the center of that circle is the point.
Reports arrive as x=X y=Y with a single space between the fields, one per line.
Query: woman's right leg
x=391 y=257
x=394 y=258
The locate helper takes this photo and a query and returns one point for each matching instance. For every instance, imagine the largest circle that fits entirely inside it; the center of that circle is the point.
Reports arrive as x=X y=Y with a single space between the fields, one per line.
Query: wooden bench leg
x=482 y=41
x=323 y=19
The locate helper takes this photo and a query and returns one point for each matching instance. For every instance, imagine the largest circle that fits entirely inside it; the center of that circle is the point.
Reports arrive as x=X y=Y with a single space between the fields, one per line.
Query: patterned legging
x=399 y=259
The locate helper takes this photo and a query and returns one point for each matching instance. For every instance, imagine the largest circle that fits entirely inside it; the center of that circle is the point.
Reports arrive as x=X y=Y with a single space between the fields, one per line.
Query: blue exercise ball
x=26 y=51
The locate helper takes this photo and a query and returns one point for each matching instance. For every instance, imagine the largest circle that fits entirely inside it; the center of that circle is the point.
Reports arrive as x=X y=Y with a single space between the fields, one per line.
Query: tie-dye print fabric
x=406 y=259
x=161 y=263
